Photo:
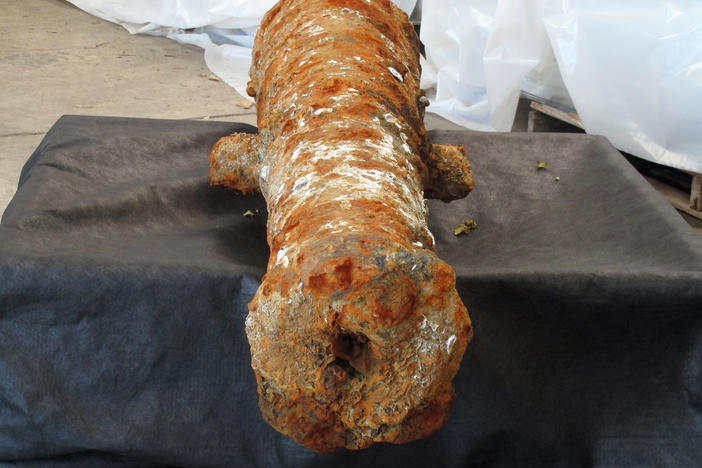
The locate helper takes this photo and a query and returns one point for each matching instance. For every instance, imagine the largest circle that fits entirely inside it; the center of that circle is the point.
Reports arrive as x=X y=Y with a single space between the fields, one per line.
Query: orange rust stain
x=332 y=87
x=444 y=277
x=435 y=301
x=461 y=316
x=289 y=125
x=266 y=289
x=354 y=133
x=369 y=205
x=372 y=217
x=343 y=274
x=340 y=278
x=318 y=282
x=395 y=298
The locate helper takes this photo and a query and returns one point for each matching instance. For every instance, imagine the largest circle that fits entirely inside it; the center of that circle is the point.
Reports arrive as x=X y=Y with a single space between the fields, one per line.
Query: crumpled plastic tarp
x=632 y=70
x=223 y=28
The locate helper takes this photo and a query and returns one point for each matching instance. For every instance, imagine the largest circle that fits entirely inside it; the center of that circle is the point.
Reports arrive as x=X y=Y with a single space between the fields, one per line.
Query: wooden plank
x=677 y=198
x=569 y=117
x=530 y=121
x=696 y=192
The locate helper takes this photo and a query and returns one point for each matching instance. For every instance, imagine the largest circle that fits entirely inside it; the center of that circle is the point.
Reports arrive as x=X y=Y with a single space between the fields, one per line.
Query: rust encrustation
x=357 y=329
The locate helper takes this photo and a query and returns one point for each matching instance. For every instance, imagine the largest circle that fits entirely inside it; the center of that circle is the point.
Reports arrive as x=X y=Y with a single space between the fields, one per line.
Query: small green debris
x=541 y=165
x=465 y=227
x=557 y=179
x=249 y=214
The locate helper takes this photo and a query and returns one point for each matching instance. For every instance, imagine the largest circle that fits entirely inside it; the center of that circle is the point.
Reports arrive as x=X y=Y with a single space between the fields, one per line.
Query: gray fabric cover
x=124 y=279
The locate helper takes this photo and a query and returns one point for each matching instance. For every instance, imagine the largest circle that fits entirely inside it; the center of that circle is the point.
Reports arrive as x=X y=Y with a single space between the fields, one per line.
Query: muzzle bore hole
x=355 y=351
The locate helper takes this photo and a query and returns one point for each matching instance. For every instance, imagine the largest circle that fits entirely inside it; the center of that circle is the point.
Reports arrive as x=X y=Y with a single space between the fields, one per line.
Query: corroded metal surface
x=357 y=329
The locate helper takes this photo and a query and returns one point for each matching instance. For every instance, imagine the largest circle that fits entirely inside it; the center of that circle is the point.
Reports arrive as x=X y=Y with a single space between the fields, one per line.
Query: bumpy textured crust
x=234 y=162
x=357 y=329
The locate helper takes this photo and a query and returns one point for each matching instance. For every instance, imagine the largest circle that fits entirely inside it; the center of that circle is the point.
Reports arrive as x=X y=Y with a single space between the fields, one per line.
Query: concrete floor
x=56 y=59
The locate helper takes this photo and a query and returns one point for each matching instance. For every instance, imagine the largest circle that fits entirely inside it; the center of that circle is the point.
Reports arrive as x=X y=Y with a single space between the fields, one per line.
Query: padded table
x=124 y=279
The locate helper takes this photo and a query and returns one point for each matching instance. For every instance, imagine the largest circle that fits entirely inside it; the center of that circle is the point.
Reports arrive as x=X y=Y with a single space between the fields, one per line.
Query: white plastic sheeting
x=223 y=28
x=633 y=70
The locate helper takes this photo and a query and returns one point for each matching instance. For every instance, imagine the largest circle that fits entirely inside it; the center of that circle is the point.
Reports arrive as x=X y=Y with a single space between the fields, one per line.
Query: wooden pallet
x=565 y=116
x=678 y=198
x=696 y=192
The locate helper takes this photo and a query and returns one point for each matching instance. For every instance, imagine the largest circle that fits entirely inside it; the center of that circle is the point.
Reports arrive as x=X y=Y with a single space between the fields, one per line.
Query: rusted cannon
x=357 y=329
